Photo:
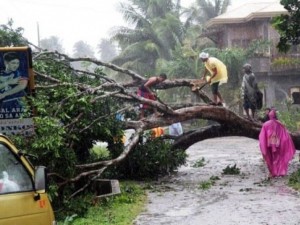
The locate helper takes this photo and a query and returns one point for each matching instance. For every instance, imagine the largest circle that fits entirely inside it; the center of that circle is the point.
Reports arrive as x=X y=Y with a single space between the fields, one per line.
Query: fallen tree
x=242 y=126
x=76 y=97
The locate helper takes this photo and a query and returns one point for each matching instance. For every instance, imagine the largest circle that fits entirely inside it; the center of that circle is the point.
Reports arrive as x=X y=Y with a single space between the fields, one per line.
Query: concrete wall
x=278 y=87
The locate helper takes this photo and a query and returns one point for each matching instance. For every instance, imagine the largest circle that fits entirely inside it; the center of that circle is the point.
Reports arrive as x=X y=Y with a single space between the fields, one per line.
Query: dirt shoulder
x=245 y=199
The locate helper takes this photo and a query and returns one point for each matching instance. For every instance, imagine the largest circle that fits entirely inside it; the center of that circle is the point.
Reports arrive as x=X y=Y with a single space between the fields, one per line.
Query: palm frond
x=132 y=16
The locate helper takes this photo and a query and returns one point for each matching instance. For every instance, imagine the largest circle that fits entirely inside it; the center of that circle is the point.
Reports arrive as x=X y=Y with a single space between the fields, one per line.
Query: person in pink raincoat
x=276 y=146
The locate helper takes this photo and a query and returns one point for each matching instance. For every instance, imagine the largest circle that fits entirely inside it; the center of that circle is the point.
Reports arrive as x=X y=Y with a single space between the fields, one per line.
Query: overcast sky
x=70 y=20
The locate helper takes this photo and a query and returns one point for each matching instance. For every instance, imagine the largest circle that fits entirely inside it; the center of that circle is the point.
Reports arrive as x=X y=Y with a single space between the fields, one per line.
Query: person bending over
x=145 y=91
x=218 y=75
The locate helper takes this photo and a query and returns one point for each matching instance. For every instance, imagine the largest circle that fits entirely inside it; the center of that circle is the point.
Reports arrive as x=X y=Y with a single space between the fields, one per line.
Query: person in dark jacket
x=249 y=91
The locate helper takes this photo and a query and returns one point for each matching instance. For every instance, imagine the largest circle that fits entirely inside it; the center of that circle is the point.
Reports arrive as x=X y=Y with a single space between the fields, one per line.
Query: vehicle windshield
x=13 y=175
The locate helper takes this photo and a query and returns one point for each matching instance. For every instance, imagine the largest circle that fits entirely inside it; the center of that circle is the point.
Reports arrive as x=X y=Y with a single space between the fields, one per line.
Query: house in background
x=277 y=73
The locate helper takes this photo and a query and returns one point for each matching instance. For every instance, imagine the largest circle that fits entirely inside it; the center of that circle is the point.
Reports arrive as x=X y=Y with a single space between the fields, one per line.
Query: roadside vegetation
x=199 y=163
x=205 y=185
x=294 y=180
x=231 y=170
x=120 y=209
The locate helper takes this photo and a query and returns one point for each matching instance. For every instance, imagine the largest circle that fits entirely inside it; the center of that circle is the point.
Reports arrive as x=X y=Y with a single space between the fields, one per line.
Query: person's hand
x=209 y=80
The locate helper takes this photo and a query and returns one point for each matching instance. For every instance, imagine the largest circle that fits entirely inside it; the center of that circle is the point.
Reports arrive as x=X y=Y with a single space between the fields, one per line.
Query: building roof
x=248 y=12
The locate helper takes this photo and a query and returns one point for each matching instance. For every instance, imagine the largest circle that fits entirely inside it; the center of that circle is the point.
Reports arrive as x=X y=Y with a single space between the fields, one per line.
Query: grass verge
x=120 y=209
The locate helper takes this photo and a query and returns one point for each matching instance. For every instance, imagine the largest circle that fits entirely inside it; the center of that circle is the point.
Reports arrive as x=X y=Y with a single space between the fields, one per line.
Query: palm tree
x=195 y=18
x=185 y=61
x=155 y=30
x=203 y=10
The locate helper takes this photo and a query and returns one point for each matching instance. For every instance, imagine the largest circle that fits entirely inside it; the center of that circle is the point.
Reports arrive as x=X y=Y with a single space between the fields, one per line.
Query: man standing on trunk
x=218 y=75
x=249 y=91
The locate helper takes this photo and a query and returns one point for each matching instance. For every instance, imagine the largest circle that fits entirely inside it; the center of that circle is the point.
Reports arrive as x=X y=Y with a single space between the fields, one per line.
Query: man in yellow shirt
x=218 y=75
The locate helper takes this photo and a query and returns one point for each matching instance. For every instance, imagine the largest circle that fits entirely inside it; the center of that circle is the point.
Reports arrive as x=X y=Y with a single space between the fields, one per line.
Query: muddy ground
x=244 y=199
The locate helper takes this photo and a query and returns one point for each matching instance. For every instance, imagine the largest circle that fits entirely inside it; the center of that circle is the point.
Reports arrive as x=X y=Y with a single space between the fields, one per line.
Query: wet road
x=244 y=199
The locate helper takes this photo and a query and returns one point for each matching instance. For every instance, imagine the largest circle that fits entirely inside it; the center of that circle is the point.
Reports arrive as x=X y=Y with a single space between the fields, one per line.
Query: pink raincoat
x=276 y=146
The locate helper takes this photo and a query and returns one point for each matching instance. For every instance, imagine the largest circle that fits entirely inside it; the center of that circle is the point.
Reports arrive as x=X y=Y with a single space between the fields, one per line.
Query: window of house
x=294 y=89
x=295 y=93
x=13 y=175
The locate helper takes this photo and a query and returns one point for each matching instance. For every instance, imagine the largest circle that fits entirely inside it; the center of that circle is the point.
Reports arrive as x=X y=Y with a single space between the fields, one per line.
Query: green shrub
x=290 y=118
x=74 y=207
x=149 y=160
x=99 y=152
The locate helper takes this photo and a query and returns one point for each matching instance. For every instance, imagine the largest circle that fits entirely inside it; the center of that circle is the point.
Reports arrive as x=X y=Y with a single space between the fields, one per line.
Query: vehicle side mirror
x=40 y=178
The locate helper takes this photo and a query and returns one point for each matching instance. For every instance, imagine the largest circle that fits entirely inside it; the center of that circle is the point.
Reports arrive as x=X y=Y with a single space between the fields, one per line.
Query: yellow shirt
x=221 y=76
